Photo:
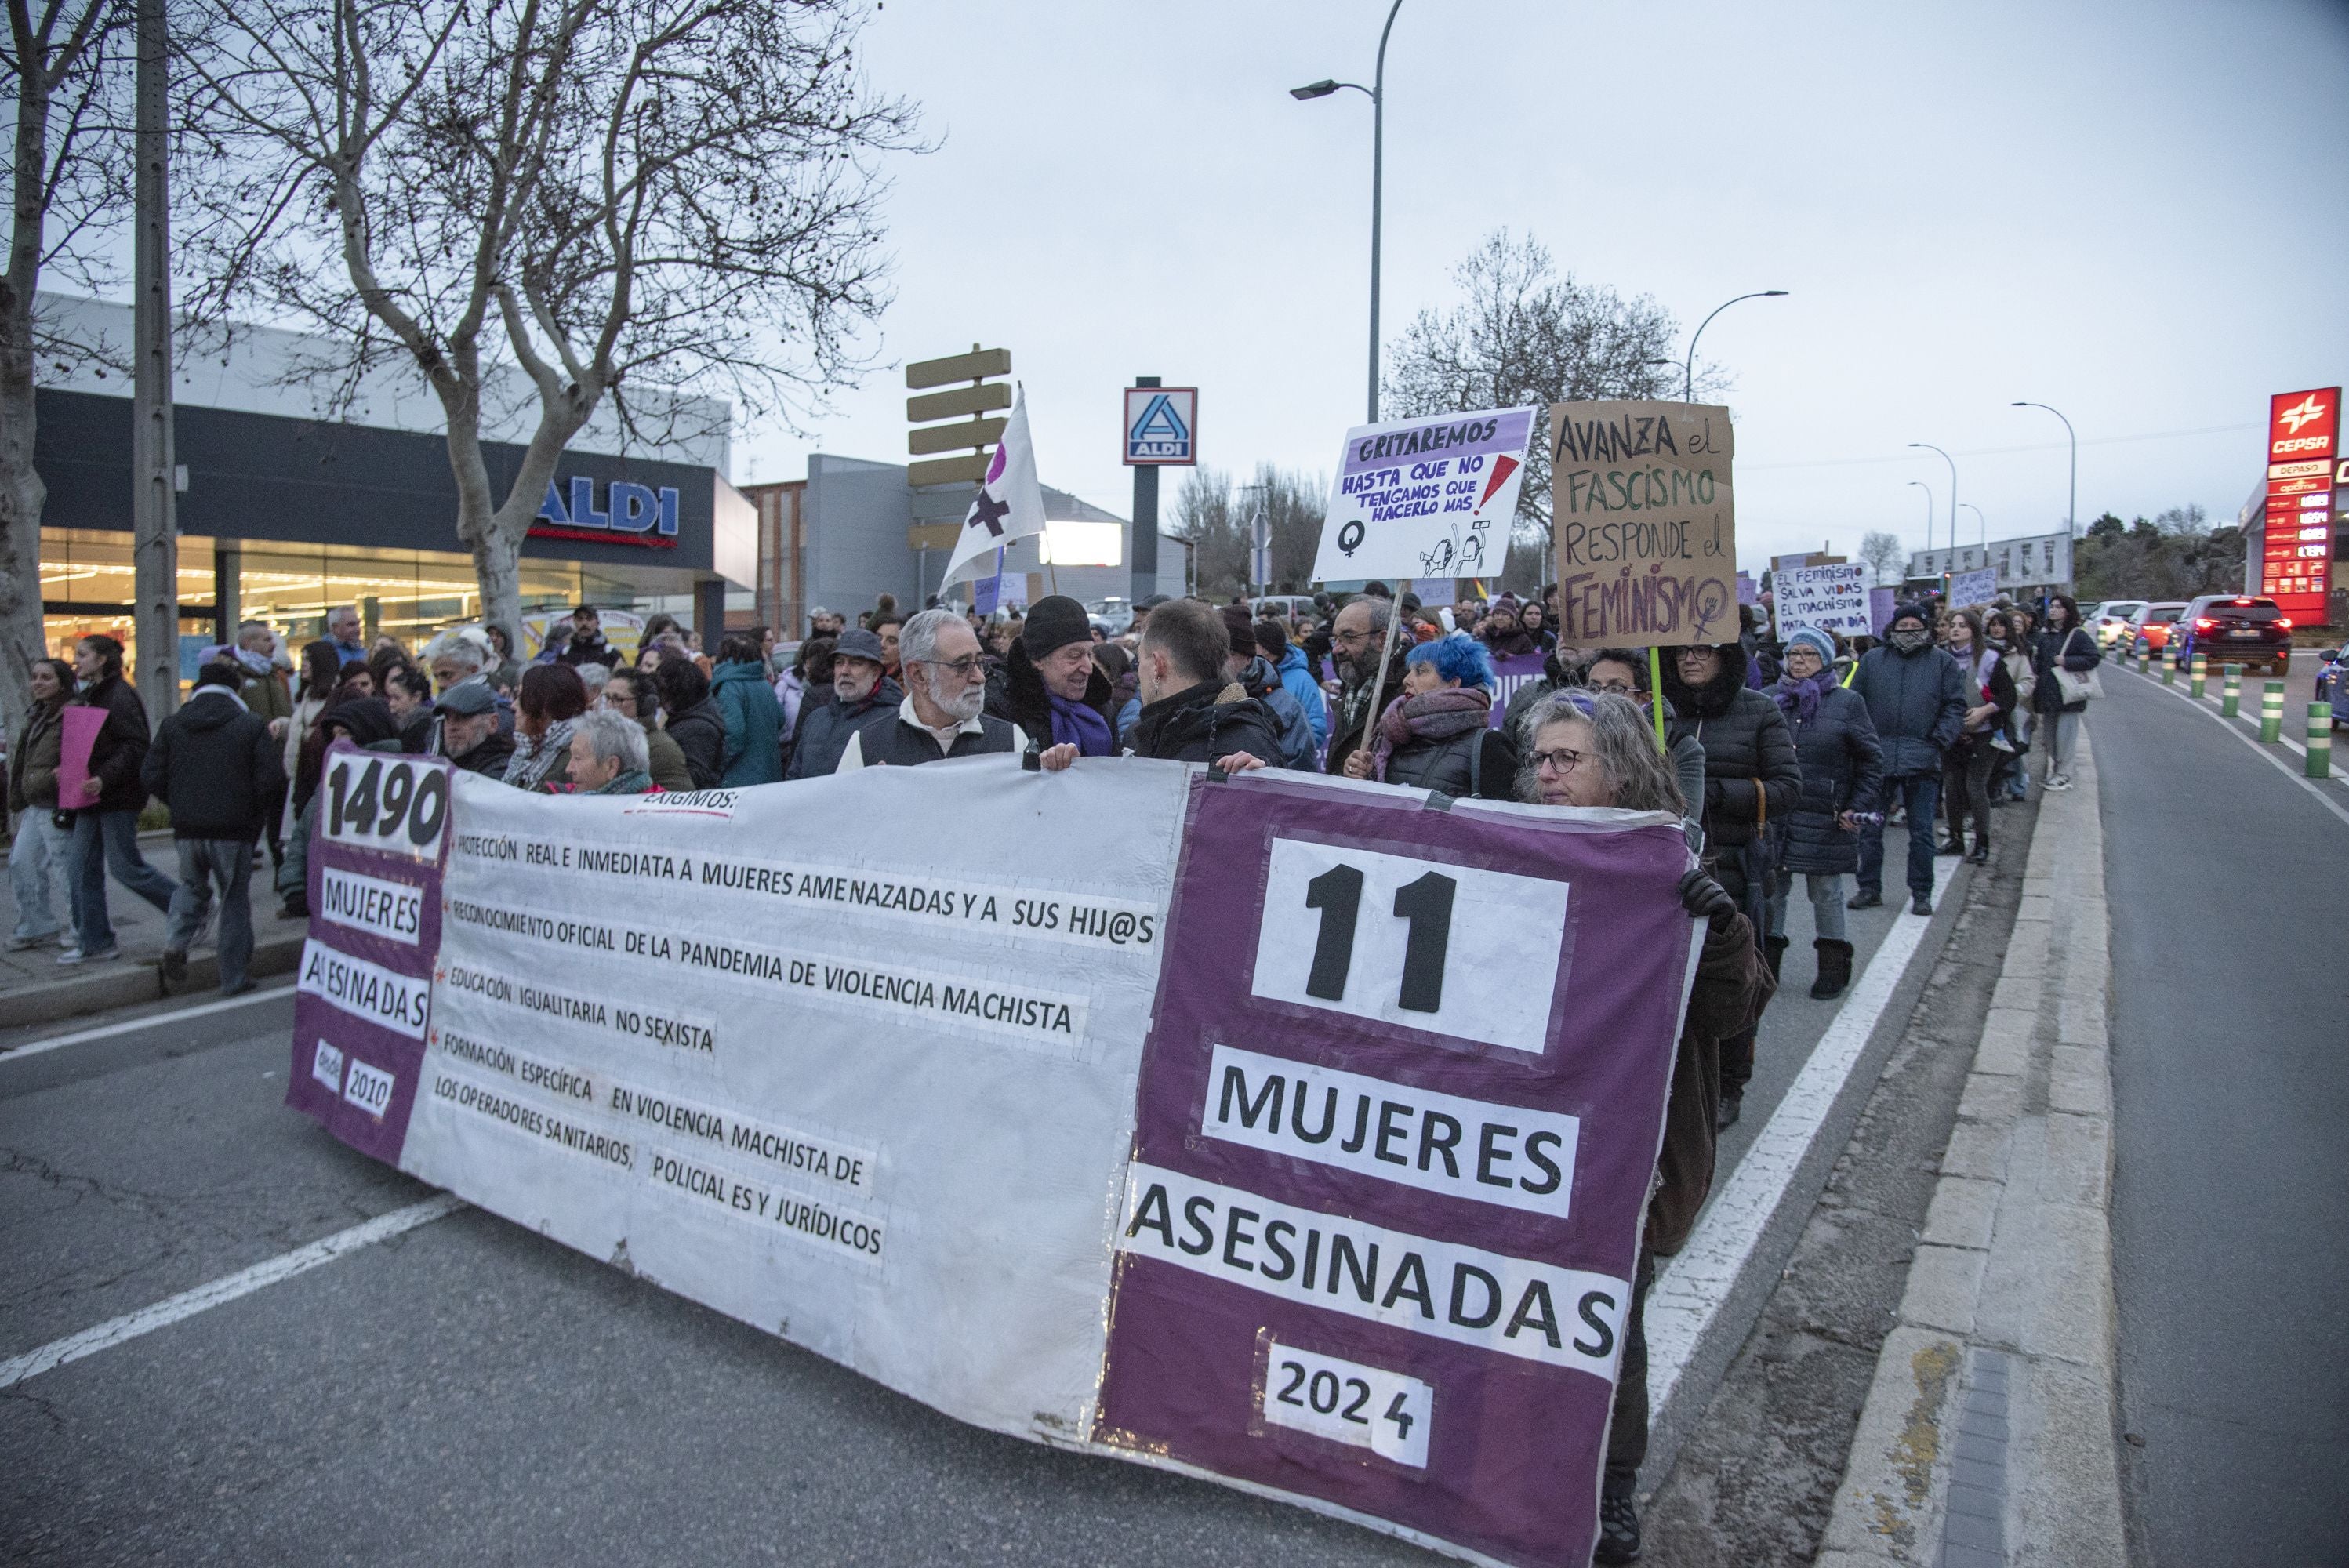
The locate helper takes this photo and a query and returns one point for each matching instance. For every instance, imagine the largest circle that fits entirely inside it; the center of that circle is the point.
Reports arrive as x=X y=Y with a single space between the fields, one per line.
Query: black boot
x=1774 y=953
x=1732 y=1105
x=1980 y=855
x=1835 y=968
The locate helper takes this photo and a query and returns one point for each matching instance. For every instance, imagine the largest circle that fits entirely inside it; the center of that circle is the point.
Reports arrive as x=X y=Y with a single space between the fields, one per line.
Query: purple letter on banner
x=1392 y=1149
x=379 y=839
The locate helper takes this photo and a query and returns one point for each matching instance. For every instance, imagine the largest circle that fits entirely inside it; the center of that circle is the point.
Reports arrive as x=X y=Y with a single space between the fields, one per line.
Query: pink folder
x=81 y=726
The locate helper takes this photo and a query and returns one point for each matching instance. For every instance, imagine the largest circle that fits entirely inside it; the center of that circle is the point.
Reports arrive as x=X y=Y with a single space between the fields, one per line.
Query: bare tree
x=1886 y=559
x=1523 y=332
x=1216 y=521
x=69 y=179
x=668 y=196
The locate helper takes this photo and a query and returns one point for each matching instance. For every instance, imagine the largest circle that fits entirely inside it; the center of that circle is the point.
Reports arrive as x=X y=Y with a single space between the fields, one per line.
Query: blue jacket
x=1297 y=677
x=754 y=725
x=1297 y=747
x=1918 y=703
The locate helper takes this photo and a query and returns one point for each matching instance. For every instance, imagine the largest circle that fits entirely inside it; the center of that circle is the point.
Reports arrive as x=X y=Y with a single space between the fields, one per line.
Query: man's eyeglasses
x=1613 y=689
x=966 y=667
x=1560 y=760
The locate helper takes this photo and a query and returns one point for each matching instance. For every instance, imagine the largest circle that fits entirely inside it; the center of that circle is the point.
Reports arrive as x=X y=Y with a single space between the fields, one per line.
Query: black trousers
x=1627 y=1435
x=1965 y=787
x=1728 y=869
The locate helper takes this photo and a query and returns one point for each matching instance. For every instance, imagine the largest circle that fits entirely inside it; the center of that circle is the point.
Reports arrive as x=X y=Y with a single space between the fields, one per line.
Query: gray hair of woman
x=1623 y=745
x=612 y=735
x=468 y=647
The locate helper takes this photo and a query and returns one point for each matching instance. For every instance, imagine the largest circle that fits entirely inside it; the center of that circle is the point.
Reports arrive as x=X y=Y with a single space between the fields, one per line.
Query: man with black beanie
x=218 y=768
x=1049 y=685
x=1916 y=695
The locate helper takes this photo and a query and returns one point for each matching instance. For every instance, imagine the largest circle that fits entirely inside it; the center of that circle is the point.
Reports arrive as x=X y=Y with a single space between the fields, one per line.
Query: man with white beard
x=946 y=694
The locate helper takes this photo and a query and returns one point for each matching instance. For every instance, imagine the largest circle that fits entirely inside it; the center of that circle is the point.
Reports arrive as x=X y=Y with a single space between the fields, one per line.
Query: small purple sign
x=1880 y=605
x=1397 y=1116
x=1508 y=675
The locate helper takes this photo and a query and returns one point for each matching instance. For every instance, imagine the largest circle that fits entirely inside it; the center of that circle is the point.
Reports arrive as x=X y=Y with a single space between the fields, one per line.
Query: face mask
x=1908 y=639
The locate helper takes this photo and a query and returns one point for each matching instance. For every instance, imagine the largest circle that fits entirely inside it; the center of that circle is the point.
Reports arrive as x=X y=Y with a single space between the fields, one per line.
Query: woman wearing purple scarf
x=1438 y=733
x=1049 y=685
x=1843 y=769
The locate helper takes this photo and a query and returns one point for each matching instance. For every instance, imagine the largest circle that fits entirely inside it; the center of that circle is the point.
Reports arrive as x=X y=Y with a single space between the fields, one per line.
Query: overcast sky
x=2138 y=212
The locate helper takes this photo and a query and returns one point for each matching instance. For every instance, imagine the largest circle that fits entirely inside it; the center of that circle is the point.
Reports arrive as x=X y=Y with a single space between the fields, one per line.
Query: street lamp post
x=1921 y=485
x=1985 y=525
x=1688 y=368
x=2071 y=507
x=1377 y=93
x=1953 y=501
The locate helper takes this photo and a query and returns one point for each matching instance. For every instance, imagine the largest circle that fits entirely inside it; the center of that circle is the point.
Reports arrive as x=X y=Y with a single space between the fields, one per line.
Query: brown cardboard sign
x=1642 y=519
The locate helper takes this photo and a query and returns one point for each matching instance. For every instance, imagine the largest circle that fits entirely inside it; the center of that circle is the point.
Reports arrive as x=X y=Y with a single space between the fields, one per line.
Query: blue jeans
x=204 y=862
x=1920 y=797
x=107 y=840
x=1824 y=889
x=42 y=853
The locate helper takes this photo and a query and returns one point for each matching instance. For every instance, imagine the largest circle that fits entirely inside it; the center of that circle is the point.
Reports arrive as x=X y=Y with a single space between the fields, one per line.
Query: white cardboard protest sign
x=1828 y=598
x=1428 y=497
x=1974 y=587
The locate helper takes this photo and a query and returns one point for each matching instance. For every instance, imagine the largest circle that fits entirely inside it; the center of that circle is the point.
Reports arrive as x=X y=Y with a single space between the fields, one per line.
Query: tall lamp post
x=1921 y=485
x=2071 y=507
x=1953 y=501
x=1985 y=525
x=1377 y=93
x=1688 y=367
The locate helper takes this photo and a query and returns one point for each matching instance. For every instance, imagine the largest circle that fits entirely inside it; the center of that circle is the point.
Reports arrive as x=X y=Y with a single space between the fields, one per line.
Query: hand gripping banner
x=1291 y=1132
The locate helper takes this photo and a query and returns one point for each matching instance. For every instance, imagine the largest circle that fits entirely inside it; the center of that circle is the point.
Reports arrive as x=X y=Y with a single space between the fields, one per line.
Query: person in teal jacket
x=1296 y=676
x=754 y=720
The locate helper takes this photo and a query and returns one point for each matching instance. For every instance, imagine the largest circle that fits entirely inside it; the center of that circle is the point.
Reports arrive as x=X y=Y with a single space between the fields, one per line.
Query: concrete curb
x=1989 y=1434
x=130 y=982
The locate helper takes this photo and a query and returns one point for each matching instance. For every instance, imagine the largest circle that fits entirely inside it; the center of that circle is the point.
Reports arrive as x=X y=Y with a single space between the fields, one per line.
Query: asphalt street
x=2230 y=1016
x=471 y=1392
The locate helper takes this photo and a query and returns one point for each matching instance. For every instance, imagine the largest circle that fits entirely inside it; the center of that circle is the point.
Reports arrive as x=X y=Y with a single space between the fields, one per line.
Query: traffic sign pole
x=2272 y=712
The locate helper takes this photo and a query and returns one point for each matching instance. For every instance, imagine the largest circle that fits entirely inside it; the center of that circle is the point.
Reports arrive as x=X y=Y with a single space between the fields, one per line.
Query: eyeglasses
x=1559 y=760
x=965 y=667
x=1613 y=689
x=1693 y=655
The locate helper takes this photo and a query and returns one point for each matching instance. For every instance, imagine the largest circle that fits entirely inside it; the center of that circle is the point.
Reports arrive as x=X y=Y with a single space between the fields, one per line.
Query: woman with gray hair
x=1586 y=750
x=609 y=755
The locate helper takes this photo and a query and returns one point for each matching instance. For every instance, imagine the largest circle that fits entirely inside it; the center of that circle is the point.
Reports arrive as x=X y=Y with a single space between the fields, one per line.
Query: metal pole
x=2072 y=506
x=155 y=575
x=1144 y=527
x=1953 y=500
x=1688 y=369
x=1378 y=183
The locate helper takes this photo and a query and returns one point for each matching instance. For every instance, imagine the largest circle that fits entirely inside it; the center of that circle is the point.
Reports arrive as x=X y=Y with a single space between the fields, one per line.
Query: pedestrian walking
x=215 y=763
x=632 y=694
x=752 y=720
x=807 y=684
x=407 y=692
x=1843 y=769
x=1288 y=661
x=1438 y=733
x=943 y=713
x=347 y=635
x=322 y=672
x=587 y=644
x=1049 y=685
x=1190 y=712
x=1623 y=671
x=1751 y=776
x=363 y=721
x=41 y=852
x=106 y=818
x=1597 y=749
x=859 y=692
x=1967 y=766
x=2065 y=657
x=1916 y=697
x=608 y=756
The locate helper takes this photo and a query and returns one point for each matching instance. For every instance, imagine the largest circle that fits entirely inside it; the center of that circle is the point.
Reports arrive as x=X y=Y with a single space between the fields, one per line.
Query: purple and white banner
x=1286 y=1130
x=1508 y=675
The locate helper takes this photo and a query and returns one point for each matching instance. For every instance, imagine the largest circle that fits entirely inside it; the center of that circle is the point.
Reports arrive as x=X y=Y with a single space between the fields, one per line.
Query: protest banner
x=1830 y=598
x=1508 y=675
x=1748 y=591
x=78 y=728
x=1426 y=497
x=1973 y=587
x=1642 y=509
x=944 y=1073
x=1881 y=603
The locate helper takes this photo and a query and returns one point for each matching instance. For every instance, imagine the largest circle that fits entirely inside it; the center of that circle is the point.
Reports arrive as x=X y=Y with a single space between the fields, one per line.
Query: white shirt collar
x=970 y=725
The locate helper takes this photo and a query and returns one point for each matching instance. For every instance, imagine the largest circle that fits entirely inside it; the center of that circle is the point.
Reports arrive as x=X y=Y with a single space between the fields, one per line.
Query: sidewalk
x=1988 y=1436
x=35 y=989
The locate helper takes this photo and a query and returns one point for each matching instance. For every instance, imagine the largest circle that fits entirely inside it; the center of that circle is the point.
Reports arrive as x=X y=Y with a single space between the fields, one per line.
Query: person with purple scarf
x=1438 y=733
x=1843 y=768
x=1050 y=685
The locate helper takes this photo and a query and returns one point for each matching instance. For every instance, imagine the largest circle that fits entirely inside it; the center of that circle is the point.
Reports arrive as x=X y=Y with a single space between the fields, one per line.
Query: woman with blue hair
x=1438 y=733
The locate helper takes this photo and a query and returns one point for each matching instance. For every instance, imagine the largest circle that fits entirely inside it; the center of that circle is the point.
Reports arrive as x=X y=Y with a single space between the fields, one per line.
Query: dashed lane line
x=245 y=1282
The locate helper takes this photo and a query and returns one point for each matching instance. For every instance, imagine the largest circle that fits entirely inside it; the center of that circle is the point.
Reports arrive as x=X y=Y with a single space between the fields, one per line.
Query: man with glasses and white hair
x=943 y=713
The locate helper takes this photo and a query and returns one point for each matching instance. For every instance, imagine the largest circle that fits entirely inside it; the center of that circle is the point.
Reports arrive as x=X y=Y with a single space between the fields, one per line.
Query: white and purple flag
x=1009 y=505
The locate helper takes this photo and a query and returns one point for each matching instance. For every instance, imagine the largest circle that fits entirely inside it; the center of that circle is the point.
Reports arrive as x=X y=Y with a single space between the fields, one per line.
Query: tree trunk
x=494 y=531
x=22 y=636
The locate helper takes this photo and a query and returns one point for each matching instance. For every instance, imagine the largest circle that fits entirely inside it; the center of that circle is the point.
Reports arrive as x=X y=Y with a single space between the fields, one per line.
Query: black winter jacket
x=1481 y=764
x=1918 y=703
x=701 y=733
x=1843 y=770
x=2073 y=650
x=1751 y=776
x=890 y=738
x=823 y=734
x=1206 y=723
x=120 y=748
x=217 y=767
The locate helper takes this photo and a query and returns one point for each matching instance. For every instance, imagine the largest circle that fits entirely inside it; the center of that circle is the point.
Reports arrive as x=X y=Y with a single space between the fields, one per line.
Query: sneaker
x=175 y=967
x=1920 y=903
x=76 y=955
x=2059 y=781
x=1618 y=1531
x=206 y=928
x=1733 y=1106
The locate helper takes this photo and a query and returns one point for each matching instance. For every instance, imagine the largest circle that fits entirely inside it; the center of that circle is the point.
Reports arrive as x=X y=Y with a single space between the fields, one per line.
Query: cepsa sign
x=2302 y=426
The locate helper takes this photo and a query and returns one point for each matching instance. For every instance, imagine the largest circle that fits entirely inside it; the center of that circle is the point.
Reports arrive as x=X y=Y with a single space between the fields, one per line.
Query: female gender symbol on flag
x=1011 y=503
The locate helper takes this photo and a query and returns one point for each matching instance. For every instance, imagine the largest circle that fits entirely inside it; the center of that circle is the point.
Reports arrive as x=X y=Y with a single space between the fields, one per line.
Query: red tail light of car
x=2204 y=623
x=2284 y=622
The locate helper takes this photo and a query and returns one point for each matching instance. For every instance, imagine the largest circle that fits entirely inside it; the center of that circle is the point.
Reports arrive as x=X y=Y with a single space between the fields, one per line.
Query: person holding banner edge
x=1597 y=751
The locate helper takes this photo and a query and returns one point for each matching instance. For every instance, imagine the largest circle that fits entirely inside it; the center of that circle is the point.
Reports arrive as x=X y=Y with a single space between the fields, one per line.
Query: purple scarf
x=1800 y=698
x=1430 y=716
x=1075 y=724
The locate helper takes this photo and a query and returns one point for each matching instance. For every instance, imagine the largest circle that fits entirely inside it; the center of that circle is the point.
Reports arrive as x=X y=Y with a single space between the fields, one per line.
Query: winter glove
x=1706 y=899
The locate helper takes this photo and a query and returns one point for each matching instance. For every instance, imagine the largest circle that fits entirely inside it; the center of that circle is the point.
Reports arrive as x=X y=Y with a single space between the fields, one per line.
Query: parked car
x=2110 y=619
x=2149 y=624
x=2235 y=629
x=1113 y=615
x=2333 y=683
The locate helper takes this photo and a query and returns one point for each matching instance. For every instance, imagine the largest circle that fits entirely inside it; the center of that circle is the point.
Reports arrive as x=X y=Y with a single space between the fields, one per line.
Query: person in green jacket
x=754 y=720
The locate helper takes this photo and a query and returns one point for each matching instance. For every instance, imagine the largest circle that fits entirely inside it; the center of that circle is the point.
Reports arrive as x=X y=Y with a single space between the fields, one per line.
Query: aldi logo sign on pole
x=1646 y=532
x=1430 y=497
x=1162 y=426
x=1828 y=598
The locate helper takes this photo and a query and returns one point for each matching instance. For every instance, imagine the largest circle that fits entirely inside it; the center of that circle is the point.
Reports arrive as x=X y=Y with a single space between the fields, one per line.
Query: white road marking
x=245 y=1282
x=2259 y=748
x=57 y=1042
x=1691 y=1288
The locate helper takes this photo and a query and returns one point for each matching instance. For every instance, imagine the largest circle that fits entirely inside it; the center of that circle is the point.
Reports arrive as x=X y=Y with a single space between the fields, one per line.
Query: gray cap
x=856 y=643
x=467 y=699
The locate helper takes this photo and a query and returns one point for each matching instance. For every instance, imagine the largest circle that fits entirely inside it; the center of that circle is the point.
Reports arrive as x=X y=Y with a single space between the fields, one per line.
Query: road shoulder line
x=1990 y=1423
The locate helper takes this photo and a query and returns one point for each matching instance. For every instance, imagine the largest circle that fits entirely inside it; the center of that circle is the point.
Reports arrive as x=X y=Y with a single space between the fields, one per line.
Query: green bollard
x=2231 y=692
x=2169 y=664
x=2272 y=713
x=2320 y=740
x=2200 y=679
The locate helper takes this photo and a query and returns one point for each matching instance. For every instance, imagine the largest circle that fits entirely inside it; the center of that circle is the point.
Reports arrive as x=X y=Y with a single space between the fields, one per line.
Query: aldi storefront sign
x=631 y=513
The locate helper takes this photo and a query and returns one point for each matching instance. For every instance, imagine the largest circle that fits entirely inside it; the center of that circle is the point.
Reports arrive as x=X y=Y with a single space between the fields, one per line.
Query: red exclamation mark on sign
x=1502 y=469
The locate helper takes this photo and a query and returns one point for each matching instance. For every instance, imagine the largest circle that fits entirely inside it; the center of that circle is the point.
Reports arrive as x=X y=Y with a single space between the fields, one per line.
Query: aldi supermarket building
x=285 y=512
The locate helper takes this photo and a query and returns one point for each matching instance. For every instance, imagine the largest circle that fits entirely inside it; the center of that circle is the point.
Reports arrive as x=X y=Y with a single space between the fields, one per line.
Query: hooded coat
x=1262 y=682
x=1204 y=723
x=216 y=766
x=1918 y=703
x=699 y=732
x=754 y=720
x=1751 y=773
x=1843 y=770
x=33 y=761
x=1016 y=694
x=825 y=731
x=1296 y=675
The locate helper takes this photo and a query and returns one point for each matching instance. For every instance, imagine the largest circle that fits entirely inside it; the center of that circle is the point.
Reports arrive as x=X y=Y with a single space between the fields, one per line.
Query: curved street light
x=1953 y=502
x=1688 y=368
x=2071 y=507
x=1377 y=93
x=1985 y=522
x=1921 y=485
